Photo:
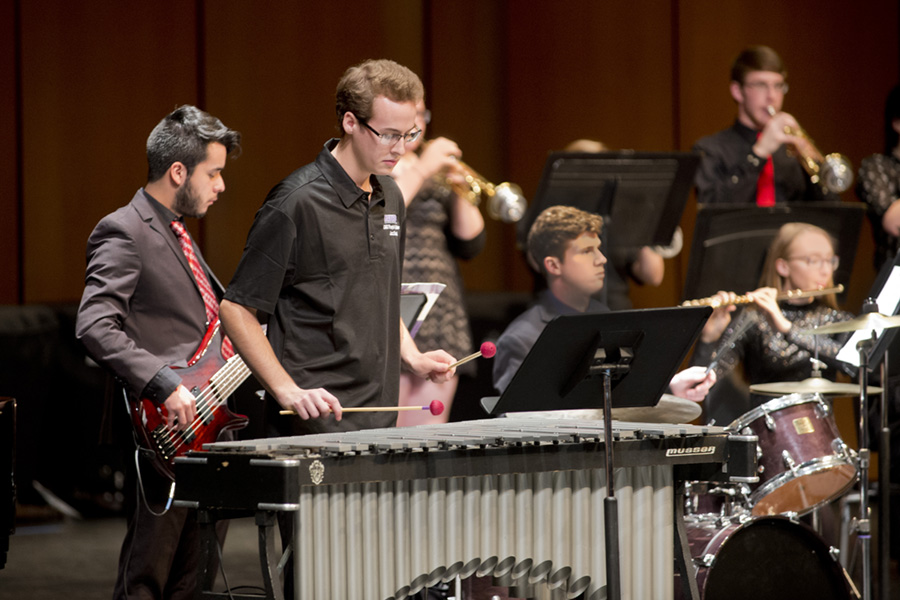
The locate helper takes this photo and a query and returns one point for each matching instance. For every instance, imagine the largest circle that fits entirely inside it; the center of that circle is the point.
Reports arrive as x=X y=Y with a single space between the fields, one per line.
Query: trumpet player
x=750 y=162
x=440 y=227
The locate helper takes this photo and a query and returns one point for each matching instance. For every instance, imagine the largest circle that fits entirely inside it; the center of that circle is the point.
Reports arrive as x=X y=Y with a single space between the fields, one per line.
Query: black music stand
x=730 y=242
x=553 y=375
x=644 y=191
x=640 y=195
x=623 y=358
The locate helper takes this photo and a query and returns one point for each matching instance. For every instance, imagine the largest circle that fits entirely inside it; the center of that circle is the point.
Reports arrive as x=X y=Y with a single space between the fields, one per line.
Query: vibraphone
x=381 y=514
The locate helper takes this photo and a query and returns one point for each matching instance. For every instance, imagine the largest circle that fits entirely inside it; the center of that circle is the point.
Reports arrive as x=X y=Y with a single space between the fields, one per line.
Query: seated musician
x=766 y=335
x=564 y=243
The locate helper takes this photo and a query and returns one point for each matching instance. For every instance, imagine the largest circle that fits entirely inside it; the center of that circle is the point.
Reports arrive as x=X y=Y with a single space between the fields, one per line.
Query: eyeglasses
x=389 y=139
x=816 y=262
x=761 y=86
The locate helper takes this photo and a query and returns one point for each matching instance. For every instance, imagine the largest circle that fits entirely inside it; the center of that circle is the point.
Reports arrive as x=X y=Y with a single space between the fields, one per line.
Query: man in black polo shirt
x=322 y=265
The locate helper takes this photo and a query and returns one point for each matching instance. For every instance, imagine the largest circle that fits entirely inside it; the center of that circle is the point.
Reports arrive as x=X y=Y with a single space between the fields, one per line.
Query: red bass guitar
x=211 y=379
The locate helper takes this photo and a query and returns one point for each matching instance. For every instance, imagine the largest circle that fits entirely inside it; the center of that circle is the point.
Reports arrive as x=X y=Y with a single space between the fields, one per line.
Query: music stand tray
x=730 y=242
x=648 y=344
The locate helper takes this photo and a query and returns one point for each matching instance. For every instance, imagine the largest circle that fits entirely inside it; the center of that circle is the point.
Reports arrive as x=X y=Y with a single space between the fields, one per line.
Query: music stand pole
x=884 y=489
x=610 y=504
x=863 y=525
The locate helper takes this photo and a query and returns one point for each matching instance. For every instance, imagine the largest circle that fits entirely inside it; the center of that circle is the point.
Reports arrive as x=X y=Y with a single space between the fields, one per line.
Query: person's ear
x=178 y=173
x=552 y=265
x=349 y=122
x=737 y=91
x=782 y=268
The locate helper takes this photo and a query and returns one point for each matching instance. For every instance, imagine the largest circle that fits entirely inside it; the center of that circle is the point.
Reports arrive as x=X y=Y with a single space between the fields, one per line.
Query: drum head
x=816 y=486
x=776 y=559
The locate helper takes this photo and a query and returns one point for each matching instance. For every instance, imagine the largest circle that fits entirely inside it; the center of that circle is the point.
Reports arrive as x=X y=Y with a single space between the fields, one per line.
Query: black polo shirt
x=324 y=262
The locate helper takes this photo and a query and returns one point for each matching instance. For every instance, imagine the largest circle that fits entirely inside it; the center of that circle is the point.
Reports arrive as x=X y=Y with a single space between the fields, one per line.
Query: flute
x=745 y=299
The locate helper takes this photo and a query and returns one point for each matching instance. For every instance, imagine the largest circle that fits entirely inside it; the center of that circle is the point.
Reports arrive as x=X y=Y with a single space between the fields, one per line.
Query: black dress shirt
x=729 y=171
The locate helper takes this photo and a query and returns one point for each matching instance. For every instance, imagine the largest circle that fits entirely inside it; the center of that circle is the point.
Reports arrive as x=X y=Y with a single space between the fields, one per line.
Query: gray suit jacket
x=141 y=310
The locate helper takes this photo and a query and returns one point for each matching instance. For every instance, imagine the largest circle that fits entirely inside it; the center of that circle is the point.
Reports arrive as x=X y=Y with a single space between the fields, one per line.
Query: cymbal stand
x=864 y=524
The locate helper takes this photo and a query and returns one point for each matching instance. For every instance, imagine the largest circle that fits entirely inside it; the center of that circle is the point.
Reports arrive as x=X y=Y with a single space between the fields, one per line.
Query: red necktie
x=765 y=185
x=206 y=291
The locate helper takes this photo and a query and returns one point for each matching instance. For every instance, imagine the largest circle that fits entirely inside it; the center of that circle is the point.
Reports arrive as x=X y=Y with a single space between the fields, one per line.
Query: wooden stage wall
x=511 y=80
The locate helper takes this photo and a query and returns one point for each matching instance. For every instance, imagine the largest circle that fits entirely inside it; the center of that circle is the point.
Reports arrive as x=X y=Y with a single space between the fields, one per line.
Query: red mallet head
x=436 y=407
x=488 y=350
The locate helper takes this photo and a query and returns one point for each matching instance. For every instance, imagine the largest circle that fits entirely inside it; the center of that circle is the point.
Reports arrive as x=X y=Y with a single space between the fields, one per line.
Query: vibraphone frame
x=264 y=477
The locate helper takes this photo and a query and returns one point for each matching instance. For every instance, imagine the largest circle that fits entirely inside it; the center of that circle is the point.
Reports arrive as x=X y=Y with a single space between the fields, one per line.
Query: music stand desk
x=555 y=373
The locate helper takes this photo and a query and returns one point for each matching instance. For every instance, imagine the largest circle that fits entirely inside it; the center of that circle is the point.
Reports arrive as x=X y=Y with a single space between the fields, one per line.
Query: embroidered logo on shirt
x=390 y=225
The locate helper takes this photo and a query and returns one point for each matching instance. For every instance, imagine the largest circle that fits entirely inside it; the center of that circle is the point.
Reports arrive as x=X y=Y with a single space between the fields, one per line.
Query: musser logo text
x=691 y=451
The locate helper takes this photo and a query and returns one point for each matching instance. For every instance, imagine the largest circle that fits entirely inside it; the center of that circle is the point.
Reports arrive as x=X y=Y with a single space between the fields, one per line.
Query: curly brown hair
x=554 y=228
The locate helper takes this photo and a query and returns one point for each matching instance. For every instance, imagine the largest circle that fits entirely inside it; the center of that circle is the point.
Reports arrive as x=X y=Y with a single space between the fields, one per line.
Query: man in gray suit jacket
x=143 y=312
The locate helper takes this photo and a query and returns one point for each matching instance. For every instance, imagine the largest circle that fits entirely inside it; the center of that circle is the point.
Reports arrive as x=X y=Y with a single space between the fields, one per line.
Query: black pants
x=160 y=554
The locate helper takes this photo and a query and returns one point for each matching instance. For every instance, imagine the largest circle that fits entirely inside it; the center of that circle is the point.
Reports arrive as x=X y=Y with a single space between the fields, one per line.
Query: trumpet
x=505 y=202
x=745 y=299
x=833 y=172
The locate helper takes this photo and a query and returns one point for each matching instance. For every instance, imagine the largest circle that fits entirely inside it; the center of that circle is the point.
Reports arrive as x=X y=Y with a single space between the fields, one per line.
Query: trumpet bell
x=836 y=173
x=507 y=203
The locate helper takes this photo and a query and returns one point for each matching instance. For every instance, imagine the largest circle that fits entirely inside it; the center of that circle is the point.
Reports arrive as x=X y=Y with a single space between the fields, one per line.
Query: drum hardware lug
x=770 y=422
x=835 y=553
x=823 y=410
x=707 y=559
x=840 y=448
x=789 y=462
x=793 y=516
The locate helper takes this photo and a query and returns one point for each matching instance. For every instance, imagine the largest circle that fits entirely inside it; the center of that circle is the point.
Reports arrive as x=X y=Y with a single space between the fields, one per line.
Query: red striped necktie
x=209 y=297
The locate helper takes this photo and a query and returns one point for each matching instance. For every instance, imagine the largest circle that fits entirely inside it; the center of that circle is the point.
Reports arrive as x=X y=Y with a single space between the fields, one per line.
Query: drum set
x=756 y=540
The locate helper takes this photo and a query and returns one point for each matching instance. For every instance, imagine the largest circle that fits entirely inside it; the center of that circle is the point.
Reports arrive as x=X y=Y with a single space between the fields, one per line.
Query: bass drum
x=774 y=558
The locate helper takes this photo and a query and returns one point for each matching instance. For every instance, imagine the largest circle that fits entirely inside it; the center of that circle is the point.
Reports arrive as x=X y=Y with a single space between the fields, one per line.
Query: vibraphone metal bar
x=384 y=513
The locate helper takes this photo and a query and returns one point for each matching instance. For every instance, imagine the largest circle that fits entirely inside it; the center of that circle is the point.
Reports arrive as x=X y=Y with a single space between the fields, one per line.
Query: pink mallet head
x=436 y=407
x=488 y=350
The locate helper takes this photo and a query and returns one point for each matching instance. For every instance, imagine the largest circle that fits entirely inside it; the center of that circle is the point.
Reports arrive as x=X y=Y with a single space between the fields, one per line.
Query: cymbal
x=813 y=385
x=864 y=322
x=669 y=409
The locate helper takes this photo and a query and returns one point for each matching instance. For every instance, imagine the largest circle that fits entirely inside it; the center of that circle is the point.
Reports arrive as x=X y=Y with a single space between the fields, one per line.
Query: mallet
x=436 y=407
x=488 y=350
